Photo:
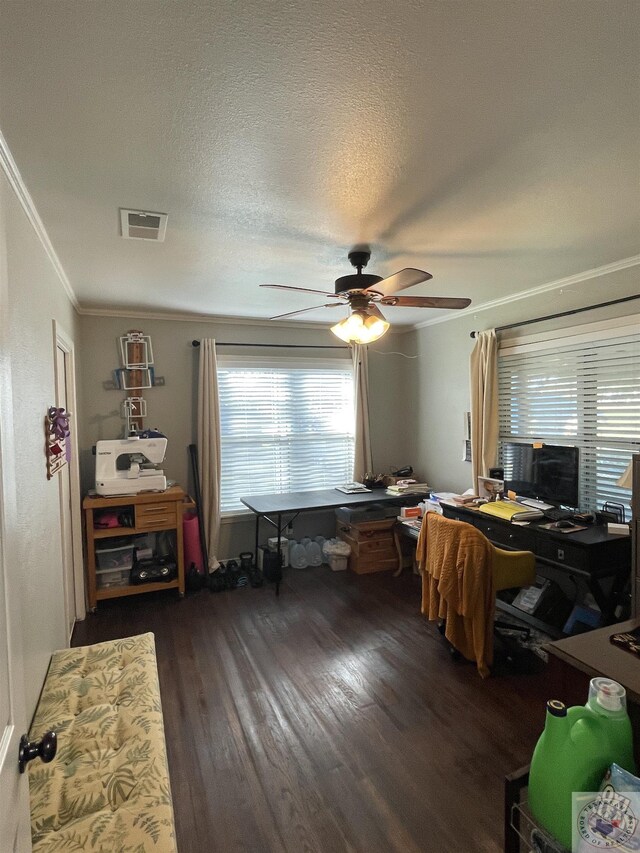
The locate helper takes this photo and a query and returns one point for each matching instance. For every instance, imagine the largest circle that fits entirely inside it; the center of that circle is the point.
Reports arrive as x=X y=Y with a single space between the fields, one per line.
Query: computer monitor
x=547 y=472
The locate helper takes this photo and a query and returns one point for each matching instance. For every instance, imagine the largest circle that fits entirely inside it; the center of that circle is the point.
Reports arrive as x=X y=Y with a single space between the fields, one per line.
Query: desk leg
x=607 y=604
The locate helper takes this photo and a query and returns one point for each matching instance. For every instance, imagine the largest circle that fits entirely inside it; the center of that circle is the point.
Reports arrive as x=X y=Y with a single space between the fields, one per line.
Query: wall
x=35 y=297
x=441 y=372
x=172 y=407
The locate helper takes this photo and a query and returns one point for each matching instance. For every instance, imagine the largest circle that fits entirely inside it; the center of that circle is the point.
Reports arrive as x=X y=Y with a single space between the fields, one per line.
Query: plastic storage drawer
x=120 y=557
x=106 y=578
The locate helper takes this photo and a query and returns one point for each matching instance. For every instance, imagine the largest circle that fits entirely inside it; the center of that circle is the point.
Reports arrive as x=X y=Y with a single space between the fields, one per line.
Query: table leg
x=255 y=551
x=279 y=530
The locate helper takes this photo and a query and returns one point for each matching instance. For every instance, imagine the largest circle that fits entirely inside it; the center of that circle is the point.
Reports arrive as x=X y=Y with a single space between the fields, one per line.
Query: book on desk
x=352 y=488
x=511 y=511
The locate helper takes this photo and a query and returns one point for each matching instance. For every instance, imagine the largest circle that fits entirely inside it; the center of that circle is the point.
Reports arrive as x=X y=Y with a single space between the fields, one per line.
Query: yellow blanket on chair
x=457 y=585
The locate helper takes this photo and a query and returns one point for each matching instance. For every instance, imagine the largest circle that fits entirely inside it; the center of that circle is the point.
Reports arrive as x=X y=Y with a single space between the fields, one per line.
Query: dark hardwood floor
x=329 y=719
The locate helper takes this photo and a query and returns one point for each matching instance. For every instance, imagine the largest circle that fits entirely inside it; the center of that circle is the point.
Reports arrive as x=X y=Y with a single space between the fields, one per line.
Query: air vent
x=143 y=225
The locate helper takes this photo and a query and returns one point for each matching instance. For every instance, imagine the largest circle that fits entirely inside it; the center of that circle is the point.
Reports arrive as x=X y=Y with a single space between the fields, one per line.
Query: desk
x=294 y=503
x=576 y=660
x=592 y=554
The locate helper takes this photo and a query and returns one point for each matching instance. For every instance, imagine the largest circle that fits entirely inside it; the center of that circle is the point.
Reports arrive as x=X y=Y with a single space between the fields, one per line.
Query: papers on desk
x=352 y=488
x=411 y=523
x=408 y=488
x=510 y=511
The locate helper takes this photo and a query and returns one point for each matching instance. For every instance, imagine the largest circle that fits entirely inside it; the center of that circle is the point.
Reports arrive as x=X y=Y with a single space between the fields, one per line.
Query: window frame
x=340 y=362
x=587 y=334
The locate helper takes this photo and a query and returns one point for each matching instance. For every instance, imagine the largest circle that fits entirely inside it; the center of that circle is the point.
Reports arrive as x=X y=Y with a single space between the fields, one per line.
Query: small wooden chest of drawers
x=372 y=545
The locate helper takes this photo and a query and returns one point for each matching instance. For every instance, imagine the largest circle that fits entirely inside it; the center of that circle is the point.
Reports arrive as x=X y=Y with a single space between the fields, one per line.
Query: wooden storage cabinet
x=372 y=544
x=151 y=512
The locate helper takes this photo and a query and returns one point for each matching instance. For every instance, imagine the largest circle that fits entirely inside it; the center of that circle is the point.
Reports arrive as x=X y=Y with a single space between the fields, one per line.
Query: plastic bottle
x=314 y=554
x=298 y=556
x=574 y=751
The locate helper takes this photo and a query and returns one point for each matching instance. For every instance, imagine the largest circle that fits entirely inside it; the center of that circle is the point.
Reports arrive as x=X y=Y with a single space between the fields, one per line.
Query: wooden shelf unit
x=153 y=512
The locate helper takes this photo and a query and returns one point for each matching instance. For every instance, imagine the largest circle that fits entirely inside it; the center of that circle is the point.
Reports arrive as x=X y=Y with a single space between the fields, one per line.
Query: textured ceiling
x=494 y=144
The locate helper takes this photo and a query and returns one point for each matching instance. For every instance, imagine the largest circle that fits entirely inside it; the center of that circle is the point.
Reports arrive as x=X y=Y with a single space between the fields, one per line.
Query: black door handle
x=45 y=748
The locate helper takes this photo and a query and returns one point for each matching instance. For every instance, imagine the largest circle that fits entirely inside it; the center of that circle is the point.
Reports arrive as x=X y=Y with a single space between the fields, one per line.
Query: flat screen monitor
x=547 y=472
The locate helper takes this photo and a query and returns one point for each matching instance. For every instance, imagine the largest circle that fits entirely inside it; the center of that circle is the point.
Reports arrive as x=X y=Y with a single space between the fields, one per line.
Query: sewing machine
x=126 y=466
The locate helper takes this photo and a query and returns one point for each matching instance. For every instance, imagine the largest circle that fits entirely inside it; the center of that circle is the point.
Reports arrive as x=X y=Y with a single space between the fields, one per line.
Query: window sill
x=232 y=516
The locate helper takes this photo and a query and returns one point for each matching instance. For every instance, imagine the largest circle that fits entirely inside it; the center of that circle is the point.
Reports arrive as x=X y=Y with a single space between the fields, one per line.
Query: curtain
x=362 y=458
x=209 y=446
x=483 y=367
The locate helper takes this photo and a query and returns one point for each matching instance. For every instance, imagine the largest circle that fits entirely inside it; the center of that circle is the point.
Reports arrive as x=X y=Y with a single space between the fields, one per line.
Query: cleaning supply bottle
x=574 y=751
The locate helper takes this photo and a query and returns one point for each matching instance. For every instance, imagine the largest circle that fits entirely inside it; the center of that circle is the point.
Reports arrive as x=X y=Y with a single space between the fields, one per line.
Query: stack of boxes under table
x=370 y=534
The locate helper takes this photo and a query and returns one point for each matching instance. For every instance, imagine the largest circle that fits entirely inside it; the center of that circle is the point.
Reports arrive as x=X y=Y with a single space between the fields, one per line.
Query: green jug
x=574 y=751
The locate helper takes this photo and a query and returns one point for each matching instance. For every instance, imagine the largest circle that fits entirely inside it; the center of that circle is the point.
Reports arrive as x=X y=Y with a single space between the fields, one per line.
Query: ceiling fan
x=363 y=293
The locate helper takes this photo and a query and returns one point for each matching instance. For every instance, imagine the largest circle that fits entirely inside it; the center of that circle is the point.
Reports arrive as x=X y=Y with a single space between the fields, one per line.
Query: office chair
x=462 y=571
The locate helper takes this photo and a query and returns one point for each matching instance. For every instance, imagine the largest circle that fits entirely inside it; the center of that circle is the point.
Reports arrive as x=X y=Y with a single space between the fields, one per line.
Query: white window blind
x=284 y=427
x=586 y=394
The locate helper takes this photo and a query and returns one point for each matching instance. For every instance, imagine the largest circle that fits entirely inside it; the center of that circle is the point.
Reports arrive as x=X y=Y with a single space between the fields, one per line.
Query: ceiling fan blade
x=303 y=310
x=399 y=280
x=373 y=309
x=303 y=290
x=425 y=301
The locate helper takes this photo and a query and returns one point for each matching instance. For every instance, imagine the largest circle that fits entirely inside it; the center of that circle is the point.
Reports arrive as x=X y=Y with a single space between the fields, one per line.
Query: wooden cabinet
x=147 y=513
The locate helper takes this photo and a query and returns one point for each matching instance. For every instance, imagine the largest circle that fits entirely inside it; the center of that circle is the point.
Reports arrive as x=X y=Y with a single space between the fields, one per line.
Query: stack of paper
x=511 y=511
x=352 y=488
x=402 y=489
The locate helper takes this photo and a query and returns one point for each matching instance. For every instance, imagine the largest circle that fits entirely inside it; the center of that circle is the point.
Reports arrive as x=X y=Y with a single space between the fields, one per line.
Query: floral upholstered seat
x=108 y=788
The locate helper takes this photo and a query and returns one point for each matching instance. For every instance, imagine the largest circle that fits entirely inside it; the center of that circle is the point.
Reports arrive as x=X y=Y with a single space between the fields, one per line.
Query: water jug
x=574 y=751
x=314 y=554
x=298 y=556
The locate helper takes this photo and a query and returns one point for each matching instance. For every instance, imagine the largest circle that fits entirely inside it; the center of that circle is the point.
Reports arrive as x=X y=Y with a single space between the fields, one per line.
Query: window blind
x=284 y=428
x=585 y=394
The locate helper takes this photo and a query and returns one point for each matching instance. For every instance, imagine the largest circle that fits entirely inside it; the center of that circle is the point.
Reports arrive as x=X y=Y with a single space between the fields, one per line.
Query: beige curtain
x=209 y=446
x=484 y=404
x=363 y=461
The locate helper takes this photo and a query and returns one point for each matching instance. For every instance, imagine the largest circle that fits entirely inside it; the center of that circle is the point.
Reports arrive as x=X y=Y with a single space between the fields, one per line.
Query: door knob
x=45 y=748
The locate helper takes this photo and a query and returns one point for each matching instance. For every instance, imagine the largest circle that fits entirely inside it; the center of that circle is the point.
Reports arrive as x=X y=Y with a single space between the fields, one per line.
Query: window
x=582 y=391
x=285 y=426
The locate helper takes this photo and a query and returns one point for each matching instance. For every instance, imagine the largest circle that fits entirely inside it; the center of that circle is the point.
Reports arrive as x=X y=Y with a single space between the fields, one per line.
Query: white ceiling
x=495 y=144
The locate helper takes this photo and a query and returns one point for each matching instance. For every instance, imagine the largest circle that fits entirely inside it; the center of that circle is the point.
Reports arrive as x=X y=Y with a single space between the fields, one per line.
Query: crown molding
x=142 y=314
x=596 y=272
x=10 y=168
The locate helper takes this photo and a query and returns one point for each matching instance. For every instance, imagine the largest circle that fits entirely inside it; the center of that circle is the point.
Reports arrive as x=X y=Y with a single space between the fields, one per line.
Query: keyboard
x=554 y=514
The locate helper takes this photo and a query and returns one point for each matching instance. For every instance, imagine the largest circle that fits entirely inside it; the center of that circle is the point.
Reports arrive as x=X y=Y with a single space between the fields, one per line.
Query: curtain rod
x=280 y=346
x=563 y=314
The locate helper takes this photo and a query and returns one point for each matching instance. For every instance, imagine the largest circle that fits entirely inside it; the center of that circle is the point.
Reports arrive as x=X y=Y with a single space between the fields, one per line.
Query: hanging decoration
x=57 y=439
x=136 y=354
x=136 y=374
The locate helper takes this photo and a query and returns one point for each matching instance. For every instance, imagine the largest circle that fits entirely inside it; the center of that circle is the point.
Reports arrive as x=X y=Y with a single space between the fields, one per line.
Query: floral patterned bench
x=108 y=788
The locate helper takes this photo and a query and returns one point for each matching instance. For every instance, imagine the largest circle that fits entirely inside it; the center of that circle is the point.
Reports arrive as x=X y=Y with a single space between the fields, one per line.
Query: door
x=15 y=831
x=69 y=486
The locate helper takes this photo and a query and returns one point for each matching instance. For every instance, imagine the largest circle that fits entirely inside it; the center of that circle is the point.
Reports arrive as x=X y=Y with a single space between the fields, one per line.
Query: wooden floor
x=329 y=719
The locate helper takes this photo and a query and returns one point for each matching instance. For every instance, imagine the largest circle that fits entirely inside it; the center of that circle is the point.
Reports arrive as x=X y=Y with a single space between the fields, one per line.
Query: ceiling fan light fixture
x=360 y=327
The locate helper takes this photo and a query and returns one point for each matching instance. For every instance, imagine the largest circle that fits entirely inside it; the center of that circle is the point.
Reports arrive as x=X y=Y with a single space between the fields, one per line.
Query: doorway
x=69 y=486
